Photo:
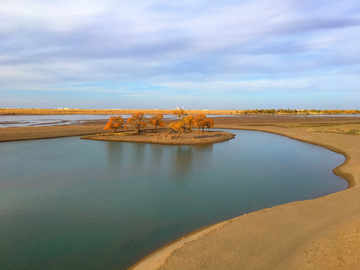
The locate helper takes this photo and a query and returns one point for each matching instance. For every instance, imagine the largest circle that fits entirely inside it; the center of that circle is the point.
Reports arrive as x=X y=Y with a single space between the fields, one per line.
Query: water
x=76 y=204
x=54 y=120
x=71 y=119
x=78 y=119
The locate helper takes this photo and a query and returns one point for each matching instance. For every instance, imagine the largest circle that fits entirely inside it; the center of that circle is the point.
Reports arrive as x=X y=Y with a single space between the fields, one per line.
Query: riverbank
x=323 y=233
x=46 y=132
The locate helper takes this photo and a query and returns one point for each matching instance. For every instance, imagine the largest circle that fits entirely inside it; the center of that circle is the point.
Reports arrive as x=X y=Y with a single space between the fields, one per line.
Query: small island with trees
x=188 y=130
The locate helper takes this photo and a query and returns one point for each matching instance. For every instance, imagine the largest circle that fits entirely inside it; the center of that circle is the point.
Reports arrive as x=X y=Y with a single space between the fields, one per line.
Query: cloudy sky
x=197 y=54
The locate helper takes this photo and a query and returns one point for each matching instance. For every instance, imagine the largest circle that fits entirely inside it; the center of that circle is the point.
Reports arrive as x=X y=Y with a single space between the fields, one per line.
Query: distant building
x=177 y=107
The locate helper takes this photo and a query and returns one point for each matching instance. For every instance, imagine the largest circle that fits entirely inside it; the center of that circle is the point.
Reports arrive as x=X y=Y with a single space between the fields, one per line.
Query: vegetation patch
x=341 y=128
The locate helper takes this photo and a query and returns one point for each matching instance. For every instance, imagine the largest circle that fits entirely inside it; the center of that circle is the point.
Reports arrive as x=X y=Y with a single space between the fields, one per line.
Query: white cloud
x=208 y=46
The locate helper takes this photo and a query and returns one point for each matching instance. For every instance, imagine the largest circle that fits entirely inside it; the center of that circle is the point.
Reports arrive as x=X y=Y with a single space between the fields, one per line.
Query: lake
x=68 y=203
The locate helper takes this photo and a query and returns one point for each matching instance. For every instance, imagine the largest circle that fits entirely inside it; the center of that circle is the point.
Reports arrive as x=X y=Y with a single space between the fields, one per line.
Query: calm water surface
x=76 y=119
x=77 y=204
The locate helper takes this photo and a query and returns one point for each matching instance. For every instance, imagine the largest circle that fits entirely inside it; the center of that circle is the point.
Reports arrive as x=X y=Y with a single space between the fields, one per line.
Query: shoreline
x=337 y=170
x=162 y=137
x=73 y=111
x=189 y=252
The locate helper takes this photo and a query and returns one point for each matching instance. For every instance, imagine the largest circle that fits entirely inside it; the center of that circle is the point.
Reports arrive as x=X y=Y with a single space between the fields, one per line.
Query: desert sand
x=322 y=233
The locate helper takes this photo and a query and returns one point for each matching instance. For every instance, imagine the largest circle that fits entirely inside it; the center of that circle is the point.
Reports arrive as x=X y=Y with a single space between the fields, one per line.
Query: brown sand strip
x=320 y=234
x=162 y=137
x=32 y=133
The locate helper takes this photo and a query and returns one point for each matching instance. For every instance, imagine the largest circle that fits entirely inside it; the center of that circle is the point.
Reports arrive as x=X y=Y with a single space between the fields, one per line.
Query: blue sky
x=197 y=54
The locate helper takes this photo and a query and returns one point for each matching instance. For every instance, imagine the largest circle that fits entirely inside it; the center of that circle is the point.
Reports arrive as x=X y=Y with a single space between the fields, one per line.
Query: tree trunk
x=112 y=132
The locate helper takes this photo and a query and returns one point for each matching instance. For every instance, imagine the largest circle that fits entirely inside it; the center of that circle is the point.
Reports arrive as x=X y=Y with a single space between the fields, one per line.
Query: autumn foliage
x=114 y=123
x=178 y=126
x=157 y=120
x=186 y=122
x=189 y=121
x=202 y=121
x=137 y=120
x=180 y=113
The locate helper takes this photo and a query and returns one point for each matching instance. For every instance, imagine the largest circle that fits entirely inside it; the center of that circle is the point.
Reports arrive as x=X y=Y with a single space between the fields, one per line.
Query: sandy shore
x=32 y=133
x=323 y=233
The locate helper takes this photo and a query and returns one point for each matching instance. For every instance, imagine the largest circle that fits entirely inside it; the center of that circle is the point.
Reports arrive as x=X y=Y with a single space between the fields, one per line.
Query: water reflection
x=175 y=161
x=115 y=153
x=185 y=157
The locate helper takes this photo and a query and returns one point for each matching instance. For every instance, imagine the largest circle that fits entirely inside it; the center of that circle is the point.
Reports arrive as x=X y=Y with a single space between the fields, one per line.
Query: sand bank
x=166 y=137
x=32 y=133
x=323 y=233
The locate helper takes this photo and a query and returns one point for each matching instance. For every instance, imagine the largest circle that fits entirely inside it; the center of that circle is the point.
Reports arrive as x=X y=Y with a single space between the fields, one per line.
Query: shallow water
x=77 y=204
x=54 y=120
x=78 y=119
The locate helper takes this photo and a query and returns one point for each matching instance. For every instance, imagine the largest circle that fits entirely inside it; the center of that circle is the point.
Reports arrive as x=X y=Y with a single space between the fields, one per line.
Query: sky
x=157 y=54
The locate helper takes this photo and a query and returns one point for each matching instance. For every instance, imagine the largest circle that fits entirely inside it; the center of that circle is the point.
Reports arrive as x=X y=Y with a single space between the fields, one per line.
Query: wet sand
x=323 y=233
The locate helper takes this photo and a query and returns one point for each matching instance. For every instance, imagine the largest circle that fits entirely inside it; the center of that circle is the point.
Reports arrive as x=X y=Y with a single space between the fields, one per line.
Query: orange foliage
x=178 y=126
x=157 y=120
x=180 y=113
x=114 y=123
x=189 y=122
x=202 y=121
x=138 y=120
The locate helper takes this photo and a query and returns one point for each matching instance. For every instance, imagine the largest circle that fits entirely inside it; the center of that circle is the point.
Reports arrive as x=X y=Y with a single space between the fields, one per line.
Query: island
x=165 y=136
x=184 y=127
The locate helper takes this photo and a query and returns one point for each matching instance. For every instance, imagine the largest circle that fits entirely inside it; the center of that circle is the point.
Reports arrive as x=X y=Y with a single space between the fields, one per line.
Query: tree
x=189 y=122
x=178 y=126
x=138 y=120
x=114 y=123
x=202 y=121
x=180 y=113
x=157 y=120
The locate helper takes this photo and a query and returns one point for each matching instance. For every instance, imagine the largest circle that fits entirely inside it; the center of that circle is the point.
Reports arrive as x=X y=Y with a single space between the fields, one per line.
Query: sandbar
x=165 y=137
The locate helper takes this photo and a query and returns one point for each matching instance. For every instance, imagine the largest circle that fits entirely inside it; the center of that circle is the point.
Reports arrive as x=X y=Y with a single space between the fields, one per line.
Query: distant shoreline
x=68 y=111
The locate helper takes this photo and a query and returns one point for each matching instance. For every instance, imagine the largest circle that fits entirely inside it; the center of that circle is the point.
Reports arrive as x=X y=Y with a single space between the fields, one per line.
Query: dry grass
x=341 y=128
